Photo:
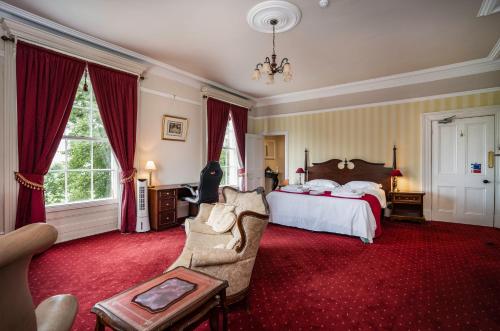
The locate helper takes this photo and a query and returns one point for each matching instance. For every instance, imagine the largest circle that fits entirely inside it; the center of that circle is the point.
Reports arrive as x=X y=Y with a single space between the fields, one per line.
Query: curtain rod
x=15 y=38
x=208 y=95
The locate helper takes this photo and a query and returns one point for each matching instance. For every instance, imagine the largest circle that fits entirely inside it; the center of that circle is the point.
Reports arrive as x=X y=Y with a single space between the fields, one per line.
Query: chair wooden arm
x=239 y=223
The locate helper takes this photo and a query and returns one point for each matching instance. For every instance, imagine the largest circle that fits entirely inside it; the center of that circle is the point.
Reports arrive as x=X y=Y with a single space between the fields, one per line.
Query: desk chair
x=208 y=189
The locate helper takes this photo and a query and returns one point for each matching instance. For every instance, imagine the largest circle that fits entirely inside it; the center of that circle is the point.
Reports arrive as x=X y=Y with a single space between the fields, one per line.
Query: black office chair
x=208 y=189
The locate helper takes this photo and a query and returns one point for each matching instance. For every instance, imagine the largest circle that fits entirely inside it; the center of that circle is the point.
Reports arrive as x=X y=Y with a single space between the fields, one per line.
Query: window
x=229 y=157
x=83 y=168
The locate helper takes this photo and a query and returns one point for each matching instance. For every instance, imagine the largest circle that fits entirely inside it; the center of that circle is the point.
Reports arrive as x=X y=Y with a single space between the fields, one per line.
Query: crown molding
x=378 y=104
x=415 y=77
x=489 y=7
x=15 y=13
x=495 y=51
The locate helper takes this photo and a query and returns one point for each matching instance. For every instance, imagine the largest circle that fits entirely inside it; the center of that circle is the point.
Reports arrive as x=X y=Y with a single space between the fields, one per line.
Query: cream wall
x=367 y=133
x=177 y=162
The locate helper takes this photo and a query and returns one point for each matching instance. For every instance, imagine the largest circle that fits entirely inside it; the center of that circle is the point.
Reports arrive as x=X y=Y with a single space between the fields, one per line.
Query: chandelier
x=270 y=67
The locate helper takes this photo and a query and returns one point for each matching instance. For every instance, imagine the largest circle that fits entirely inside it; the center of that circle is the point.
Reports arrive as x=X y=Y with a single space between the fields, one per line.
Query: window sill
x=80 y=205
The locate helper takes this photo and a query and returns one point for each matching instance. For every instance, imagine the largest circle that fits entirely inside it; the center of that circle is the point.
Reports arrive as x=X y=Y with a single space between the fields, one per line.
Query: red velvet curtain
x=46 y=86
x=116 y=96
x=239 y=115
x=217 y=118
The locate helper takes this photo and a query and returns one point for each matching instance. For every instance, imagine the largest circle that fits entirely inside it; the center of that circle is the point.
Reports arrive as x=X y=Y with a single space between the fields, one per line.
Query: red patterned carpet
x=415 y=277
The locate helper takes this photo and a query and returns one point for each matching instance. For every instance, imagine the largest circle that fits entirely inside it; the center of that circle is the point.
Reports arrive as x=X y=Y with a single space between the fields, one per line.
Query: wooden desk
x=163 y=201
x=207 y=301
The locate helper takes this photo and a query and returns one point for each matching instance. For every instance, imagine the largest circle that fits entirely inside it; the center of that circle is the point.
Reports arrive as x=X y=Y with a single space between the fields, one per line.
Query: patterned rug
x=414 y=277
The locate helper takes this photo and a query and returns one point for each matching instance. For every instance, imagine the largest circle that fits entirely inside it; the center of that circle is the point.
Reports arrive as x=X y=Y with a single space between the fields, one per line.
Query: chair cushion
x=222 y=217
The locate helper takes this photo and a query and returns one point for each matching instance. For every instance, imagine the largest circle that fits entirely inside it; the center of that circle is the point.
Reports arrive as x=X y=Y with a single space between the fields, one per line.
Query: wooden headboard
x=363 y=170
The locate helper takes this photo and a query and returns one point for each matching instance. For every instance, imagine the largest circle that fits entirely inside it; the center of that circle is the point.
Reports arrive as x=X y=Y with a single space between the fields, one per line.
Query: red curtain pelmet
x=116 y=96
x=46 y=86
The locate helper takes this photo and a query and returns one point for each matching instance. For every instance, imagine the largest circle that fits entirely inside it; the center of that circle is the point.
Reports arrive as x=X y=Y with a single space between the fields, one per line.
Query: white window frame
x=113 y=169
x=232 y=169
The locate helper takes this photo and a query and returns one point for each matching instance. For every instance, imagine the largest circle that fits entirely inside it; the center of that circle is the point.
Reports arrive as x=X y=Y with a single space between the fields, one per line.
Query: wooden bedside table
x=407 y=206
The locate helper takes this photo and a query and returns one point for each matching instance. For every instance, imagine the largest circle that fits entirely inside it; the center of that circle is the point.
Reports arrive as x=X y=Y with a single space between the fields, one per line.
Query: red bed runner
x=371 y=199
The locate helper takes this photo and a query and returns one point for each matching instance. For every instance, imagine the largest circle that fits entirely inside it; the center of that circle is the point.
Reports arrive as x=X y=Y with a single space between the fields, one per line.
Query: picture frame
x=174 y=128
x=269 y=149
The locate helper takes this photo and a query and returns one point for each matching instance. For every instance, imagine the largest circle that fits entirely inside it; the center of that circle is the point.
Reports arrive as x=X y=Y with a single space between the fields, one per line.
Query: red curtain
x=217 y=118
x=239 y=115
x=116 y=96
x=46 y=86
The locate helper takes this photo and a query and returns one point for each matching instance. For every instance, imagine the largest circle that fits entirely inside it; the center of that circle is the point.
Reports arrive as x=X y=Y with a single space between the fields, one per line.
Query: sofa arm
x=247 y=216
x=213 y=256
x=204 y=212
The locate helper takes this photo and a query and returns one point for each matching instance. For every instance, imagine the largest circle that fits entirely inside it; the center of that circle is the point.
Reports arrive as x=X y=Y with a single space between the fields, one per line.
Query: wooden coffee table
x=207 y=301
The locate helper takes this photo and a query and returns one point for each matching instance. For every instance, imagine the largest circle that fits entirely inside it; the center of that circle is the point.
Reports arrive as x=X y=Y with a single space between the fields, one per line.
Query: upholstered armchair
x=230 y=255
x=17 y=312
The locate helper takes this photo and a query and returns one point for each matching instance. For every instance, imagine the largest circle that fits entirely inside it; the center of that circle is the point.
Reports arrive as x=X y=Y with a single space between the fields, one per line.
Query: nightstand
x=407 y=206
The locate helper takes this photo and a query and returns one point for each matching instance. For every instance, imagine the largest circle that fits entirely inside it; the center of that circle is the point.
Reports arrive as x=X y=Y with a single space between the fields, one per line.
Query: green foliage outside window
x=82 y=167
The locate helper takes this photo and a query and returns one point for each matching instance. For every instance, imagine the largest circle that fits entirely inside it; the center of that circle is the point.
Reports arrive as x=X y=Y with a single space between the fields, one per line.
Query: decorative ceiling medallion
x=260 y=16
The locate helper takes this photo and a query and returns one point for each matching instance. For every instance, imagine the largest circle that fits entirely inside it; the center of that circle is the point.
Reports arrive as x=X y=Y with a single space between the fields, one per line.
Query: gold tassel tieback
x=129 y=178
x=28 y=183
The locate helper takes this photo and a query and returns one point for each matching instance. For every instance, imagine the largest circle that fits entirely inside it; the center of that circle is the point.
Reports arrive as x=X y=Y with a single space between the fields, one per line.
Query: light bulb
x=256 y=74
x=266 y=67
x=287 y=77
x=287 y=68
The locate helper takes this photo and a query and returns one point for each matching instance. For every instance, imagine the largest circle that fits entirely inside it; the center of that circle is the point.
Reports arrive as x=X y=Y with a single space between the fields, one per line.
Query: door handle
x=486 y=181
x=491 y=159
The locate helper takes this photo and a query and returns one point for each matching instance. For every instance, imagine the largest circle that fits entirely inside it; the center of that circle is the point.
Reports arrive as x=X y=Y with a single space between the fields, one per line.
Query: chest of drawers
x=162 y=207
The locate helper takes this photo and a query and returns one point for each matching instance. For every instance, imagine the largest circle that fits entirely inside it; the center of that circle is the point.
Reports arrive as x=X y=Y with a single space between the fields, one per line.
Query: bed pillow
x=360 y=184
x=326 y=183
x=222 y=217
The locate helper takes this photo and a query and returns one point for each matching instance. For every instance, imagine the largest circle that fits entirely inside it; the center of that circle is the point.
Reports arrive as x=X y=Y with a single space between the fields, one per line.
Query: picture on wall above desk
x=174 y=128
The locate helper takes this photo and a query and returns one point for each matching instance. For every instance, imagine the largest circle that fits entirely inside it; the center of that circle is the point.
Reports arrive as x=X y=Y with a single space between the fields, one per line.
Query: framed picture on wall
x=174 y=128
x=269 y=149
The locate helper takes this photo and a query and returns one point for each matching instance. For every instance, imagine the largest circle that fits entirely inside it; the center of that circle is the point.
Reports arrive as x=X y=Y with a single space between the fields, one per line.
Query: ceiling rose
x=260 y=16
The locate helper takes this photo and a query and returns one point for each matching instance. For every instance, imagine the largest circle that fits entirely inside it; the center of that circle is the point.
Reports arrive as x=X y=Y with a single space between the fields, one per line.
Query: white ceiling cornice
x=489 y=7
x=168 y=70
x=490 y=63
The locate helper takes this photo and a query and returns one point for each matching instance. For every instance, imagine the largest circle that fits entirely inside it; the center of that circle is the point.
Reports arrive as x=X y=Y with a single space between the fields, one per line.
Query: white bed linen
x=329 y=214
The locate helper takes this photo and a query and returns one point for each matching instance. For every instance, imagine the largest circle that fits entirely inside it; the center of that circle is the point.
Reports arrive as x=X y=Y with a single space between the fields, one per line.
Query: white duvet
x=329 y=214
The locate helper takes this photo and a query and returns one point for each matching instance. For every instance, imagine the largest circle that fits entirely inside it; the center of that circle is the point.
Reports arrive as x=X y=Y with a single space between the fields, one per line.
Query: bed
x=358 y=216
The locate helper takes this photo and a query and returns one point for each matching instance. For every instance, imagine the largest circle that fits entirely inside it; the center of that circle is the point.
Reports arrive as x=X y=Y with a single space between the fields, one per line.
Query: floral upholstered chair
x=229 y=255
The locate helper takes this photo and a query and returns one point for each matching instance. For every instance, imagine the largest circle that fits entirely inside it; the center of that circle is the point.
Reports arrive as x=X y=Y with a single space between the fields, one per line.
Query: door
x=463 y=171
x=254 y=161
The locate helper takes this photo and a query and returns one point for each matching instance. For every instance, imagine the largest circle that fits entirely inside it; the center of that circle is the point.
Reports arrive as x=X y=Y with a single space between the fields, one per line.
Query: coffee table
x=206 y=301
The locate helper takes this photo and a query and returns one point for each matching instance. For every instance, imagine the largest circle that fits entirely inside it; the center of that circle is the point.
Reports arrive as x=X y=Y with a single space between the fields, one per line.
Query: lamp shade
x=300 y=171
x=396 y=173
x=150 y=165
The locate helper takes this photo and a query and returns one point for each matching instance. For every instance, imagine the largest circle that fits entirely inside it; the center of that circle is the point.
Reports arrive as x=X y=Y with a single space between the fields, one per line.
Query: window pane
x=79 y=186
x=97 y=126
x=223 y=158
x=78 y=124
x=82 y=98
x=102 y=185
x=59 y=161
x=102 y=155
x=54 y=186
x=78 y=154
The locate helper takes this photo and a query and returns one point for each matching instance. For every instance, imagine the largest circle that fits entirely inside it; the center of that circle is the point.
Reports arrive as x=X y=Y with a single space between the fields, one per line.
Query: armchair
x=230 y=255
x=17 y=312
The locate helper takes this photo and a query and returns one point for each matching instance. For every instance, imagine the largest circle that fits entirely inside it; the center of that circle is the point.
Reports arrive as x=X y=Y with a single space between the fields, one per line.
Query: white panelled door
x=254 y=161
x=463 y=171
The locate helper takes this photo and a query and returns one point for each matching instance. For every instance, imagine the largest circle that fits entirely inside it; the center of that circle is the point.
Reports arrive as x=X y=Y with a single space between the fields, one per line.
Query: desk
x=164 y=201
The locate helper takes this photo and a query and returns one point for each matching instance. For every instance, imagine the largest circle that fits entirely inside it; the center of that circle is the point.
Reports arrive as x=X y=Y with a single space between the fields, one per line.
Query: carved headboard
x=362 y=170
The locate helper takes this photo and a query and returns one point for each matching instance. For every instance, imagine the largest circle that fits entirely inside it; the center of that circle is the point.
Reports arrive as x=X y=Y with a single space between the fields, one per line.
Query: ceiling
x=348 y=41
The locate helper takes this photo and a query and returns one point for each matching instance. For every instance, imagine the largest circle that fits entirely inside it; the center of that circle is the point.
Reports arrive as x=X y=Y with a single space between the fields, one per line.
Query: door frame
x=280 y=133
x=426 y=152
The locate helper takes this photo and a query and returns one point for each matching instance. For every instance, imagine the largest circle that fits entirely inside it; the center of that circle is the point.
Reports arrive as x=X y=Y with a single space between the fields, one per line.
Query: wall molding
x=15 y=13
x=2 y=53
x=495 y=51
x=170 y=96
x=455 y=70
x=489 y=7
x=378 y=104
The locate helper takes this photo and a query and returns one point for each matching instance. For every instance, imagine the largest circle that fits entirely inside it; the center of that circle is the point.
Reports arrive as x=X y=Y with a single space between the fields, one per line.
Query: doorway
x=275 y=160
x=460 y=172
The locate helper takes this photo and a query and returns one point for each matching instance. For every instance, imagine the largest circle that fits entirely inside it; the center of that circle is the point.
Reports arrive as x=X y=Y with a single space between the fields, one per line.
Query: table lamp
x=300 y=171
x=150 y=166
x=395 y=173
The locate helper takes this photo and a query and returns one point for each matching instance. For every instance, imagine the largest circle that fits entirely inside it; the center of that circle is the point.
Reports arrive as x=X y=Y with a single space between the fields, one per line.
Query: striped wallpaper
x=367 y=133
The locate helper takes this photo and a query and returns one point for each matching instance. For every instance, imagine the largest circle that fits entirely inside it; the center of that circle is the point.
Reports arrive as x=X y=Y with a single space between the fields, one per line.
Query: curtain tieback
x=31 y=181
x=128 y=175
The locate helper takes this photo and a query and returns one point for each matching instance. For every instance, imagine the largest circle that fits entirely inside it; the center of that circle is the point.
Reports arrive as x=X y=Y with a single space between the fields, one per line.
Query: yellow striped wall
x=367 y=133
